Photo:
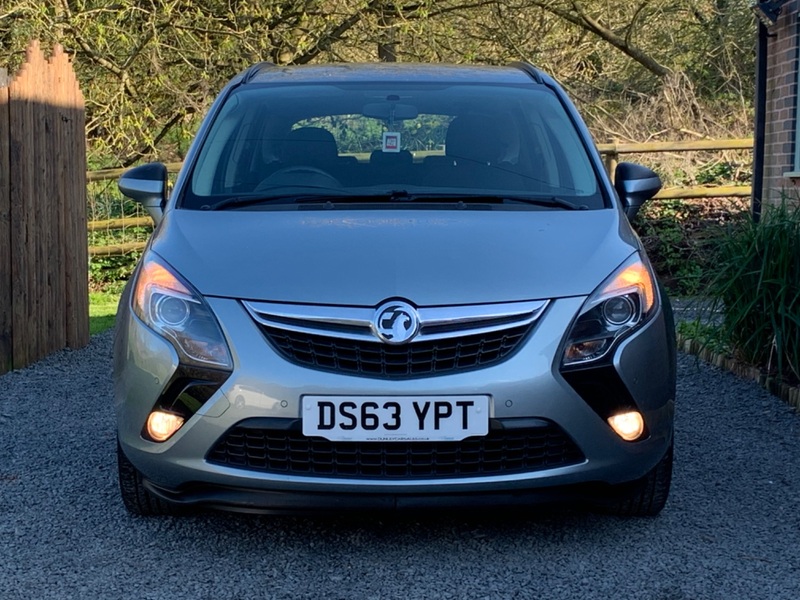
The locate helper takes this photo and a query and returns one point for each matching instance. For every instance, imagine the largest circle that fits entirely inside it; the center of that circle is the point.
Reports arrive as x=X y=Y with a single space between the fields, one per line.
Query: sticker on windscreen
x=391 y=141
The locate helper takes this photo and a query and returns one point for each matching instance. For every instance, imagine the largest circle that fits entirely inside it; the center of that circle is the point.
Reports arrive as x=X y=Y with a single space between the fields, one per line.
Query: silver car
x=393 y=286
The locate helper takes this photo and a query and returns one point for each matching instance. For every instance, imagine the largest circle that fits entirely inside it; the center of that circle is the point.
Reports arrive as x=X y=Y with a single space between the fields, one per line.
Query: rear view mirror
x=390 y=111
x=635 y=185
x=147 y=184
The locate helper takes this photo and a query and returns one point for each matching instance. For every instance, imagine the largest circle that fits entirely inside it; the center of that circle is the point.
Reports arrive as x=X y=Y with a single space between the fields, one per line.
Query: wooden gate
x=43 y=248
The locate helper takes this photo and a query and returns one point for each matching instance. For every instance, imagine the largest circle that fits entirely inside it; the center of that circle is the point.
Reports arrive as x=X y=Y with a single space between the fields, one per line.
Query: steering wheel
x=294 y=176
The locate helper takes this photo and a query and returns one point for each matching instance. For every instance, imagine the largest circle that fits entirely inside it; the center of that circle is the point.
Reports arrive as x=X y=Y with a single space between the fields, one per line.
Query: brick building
x=781 y=158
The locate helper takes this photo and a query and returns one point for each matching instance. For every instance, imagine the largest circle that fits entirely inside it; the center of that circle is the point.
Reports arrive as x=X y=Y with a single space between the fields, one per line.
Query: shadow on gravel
x=414 y=529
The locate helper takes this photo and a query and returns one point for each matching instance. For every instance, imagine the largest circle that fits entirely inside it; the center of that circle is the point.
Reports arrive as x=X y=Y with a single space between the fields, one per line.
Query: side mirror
x=635 y=185
x=147 y=184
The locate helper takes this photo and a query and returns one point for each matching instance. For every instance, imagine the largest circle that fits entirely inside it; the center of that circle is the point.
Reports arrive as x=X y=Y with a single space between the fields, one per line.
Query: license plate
x=402 y=418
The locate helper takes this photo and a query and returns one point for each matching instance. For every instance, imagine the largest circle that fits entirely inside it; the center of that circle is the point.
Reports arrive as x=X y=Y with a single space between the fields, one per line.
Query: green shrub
x=756 y=283
x=105 y=202
x=662 y=227
x=111 y=273
x=718 y=173
x=680 y=235
x=706 y=334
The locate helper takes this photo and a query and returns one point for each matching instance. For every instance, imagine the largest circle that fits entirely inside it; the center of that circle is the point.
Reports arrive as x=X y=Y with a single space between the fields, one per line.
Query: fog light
x=629 y=426
x=162 y=425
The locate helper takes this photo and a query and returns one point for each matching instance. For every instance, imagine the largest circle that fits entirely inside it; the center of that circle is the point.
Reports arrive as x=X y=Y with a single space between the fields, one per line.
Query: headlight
x=173 y=309
x=620 y=304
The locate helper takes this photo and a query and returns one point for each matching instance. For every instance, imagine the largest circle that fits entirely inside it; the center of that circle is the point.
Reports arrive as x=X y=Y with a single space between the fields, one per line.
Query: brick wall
x=780 y=134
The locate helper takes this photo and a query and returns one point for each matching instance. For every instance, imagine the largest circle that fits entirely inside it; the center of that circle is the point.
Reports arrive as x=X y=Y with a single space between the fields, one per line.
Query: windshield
x=356 y=140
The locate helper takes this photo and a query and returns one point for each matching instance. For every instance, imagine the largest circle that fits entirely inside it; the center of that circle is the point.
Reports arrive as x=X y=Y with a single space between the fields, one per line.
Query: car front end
x=379 y=351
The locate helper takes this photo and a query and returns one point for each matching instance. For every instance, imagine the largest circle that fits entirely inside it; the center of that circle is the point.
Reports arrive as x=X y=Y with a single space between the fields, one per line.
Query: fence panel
x=42 y=211
x=73 y=182
x=5 y=231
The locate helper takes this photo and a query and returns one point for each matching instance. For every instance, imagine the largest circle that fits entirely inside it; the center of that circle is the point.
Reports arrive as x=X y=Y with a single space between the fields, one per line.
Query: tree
x=150 y=68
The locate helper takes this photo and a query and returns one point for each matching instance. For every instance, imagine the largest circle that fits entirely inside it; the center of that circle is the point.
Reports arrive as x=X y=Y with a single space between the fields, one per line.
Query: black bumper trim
x=295 y=502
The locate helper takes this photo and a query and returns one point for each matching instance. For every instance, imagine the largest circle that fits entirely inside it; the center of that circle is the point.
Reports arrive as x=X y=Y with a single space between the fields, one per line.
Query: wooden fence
x=43 y=256
x=611 y=155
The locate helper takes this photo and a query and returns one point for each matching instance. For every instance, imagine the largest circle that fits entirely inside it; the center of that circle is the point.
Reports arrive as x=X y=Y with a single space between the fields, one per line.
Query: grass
x=709 y=336
x=102 y=311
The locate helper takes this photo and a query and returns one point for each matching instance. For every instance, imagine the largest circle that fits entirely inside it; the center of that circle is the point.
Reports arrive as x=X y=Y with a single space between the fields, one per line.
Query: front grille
x=501 y=452
x=376 y=359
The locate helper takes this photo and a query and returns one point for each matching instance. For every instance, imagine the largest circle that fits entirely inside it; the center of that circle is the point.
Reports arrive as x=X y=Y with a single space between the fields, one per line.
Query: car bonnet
x=362 y=257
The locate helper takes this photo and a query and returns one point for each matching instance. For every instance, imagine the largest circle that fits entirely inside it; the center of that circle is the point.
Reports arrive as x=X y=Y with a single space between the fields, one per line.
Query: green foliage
x=680 y=237
x=106 y=202
x=756 y=282
x=110 y=273
x=354 y=134
x=677 y=258
x=708 y=335
x=357 y=134
x=715 y=174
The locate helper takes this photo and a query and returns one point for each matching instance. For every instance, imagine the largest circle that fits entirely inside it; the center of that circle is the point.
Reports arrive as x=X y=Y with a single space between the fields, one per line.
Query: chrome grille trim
x=355 y=323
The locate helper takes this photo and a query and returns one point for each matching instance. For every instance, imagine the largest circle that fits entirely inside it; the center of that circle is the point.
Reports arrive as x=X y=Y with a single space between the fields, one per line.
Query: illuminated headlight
x=619 y=305
x=173 y=309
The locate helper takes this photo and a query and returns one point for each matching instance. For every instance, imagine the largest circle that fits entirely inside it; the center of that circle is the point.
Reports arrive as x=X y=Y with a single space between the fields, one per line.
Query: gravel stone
x=731 y=528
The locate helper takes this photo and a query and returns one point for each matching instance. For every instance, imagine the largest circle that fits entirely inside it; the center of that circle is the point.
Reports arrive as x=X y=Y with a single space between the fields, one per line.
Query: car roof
x=392 y=72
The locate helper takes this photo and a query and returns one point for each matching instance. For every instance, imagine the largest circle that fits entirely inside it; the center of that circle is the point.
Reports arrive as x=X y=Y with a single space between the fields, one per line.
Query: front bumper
x=264 y=385
x=261 y=501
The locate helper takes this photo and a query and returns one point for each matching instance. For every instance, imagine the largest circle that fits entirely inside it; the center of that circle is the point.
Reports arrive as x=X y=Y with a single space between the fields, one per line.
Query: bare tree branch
x=582 y=19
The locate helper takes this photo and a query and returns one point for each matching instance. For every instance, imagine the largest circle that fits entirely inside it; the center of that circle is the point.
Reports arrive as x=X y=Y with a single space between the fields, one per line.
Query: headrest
x=474 y=139
x=309 y=144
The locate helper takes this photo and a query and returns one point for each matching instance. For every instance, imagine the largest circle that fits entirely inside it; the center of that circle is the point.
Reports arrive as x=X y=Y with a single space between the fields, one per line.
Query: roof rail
x=529 y=69
x=255 y=70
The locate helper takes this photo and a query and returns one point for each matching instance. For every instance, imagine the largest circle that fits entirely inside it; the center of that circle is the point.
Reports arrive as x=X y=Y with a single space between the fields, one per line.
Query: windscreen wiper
x=554 y=201
x=458 y=200
x=400 y=196
x=255 y=199
x=390 y=196
x=465 y=199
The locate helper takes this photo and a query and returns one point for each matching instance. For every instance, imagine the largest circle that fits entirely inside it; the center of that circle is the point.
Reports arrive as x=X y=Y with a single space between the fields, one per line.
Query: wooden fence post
x=612 y=159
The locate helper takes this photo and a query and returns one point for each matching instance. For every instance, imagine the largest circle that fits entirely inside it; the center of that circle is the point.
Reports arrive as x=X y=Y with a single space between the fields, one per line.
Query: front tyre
x=645 y=497
x=137 y=499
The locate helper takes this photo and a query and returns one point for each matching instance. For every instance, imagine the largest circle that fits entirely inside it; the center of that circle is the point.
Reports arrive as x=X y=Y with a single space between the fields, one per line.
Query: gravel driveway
x=730 y=530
